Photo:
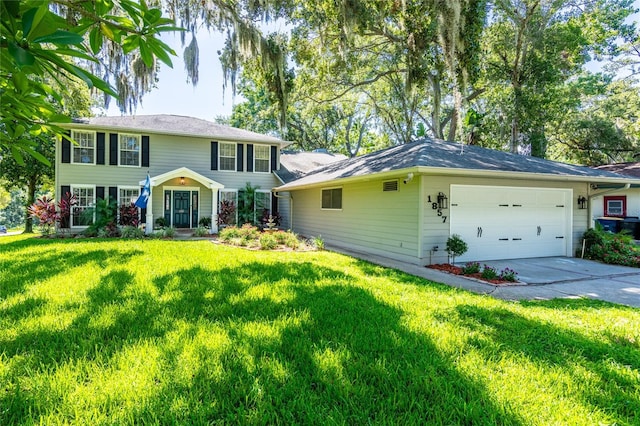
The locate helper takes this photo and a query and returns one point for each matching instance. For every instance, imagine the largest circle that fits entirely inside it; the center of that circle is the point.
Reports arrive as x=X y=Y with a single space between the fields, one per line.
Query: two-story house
x=193 y=166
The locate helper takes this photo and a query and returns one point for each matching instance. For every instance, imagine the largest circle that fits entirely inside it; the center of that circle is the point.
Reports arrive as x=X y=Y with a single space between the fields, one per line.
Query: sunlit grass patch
x=190 y=332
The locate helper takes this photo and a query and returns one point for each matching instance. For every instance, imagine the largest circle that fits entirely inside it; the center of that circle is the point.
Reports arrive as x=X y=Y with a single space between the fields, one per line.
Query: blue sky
x=175 y=96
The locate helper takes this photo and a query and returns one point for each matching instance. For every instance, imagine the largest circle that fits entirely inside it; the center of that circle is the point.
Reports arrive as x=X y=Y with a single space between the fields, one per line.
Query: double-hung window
x=129 y=150
x=262 y=205
x=85 y=151
x=128 y=196
x=228 y=207
x=262 y=159
x=228 y=156
x=615 y=206
x=332 y=198
x=82 y=212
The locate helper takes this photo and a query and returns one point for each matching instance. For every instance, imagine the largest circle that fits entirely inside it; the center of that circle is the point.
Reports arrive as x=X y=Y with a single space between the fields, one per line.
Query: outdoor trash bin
x=610 y=224
x=632 y=226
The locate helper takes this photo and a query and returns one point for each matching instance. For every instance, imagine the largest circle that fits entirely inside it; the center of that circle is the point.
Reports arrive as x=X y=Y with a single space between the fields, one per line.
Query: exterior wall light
x=182 y=180
x=443 y=201
x=582 y=202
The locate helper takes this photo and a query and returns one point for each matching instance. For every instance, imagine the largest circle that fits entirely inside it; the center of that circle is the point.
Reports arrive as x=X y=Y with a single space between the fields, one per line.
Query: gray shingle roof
x=174 y=125
x=430 y=153
x=294 y=165
x=627 y=169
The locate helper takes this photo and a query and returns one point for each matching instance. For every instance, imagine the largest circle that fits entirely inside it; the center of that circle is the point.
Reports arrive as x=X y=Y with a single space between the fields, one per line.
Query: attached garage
x=503 y=205
x=509 y=223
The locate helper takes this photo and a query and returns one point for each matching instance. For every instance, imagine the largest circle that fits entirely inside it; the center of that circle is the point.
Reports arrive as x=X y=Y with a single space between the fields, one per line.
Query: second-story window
x=129 y=150
x=262 y=159
x=85 y=151
x=228 y=156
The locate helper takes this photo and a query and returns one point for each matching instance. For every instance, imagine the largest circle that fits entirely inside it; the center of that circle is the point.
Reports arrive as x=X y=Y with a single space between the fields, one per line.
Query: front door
x=181 y=213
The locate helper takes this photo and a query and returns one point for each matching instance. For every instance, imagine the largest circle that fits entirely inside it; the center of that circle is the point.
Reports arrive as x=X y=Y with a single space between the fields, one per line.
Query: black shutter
x=239 y=158
x=64 y=189
x=274 y=158
x=145 y=151
x=113 y=149
x=113 y=193
x=274 y=203
x=249 y=157
x=100 y=148
x=214 y=155
x=66 y=149
x=100 y=192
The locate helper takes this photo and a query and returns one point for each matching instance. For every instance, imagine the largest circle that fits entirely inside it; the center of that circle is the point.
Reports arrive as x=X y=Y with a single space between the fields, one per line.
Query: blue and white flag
x=144 y=196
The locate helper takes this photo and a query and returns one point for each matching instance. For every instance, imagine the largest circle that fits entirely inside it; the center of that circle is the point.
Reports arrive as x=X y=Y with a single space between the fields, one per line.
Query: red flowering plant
x=44 y=210
x=129 y=215
x=65 y=205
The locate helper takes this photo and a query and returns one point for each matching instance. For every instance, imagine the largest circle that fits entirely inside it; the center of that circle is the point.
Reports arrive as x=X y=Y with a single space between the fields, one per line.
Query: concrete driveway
x=566 y=277
x=541 y=278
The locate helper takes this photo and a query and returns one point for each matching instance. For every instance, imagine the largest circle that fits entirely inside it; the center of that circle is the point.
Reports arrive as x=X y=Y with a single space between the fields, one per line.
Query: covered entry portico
x=181 y=203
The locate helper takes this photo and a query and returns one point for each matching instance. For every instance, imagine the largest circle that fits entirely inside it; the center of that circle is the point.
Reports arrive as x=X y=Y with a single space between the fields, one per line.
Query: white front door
x=510 y=223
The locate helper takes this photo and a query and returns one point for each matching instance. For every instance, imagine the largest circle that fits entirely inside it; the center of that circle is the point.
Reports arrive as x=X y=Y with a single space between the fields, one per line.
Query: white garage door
x=510 y=223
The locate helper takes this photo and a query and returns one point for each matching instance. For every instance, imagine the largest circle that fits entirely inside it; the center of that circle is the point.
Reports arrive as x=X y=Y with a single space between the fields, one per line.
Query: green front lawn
x=190 y=332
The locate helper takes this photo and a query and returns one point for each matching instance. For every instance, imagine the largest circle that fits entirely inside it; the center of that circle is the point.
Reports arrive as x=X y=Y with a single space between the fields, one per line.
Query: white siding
x=284 y=208
x=370 y=220
x=166 y=153
x=633 y=202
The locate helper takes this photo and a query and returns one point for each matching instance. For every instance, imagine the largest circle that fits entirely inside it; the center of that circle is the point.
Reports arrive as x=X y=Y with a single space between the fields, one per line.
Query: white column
x=214 y=211
x=148 y=229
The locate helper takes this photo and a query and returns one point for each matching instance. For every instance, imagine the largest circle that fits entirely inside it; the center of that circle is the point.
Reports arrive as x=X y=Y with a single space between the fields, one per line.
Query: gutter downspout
x=277 y=195
x=597 y=194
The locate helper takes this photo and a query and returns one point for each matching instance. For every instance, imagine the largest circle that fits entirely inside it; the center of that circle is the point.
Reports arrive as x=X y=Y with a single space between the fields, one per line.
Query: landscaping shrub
x=131 y=232
x=205 y=222
x=161 y=222
x=508 y=274
x=242 y=236
x=471 y=268
x=456 y=247
x=128 y=215
x=489 y=273
x=169 y=232
x=200 y=231
x=291 y=240
x=227 y=213
x=617 y=249
x=318 y=242
x=268 y=241
x=44 y=210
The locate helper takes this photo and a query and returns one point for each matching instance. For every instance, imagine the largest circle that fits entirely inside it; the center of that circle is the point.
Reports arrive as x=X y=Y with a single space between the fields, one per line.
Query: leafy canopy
x=49 y=40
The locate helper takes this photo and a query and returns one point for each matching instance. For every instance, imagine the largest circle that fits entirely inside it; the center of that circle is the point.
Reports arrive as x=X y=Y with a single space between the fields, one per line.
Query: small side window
x=615 y=206
x=332 y=198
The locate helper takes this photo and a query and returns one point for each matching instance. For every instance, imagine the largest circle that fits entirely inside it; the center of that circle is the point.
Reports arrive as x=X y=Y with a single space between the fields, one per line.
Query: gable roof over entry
x=186 y=173
x=449 y=158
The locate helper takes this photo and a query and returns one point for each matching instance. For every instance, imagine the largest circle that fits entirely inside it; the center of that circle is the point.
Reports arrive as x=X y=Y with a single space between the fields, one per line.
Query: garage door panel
x=507 y=223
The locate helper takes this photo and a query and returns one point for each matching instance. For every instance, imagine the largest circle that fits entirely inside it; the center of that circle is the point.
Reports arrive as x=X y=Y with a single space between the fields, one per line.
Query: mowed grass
x=189 y=332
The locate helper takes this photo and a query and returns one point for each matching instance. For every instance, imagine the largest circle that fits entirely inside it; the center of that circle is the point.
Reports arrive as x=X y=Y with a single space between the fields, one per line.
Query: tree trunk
x=455 y=114
x=31 y=198
x=435 y=111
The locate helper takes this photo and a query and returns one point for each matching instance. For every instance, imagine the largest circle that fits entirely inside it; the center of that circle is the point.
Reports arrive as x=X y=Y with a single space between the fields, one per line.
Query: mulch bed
x=456 y=270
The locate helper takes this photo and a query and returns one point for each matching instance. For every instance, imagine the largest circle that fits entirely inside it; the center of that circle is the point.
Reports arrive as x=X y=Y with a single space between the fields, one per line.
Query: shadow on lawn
x=550 y=346
x=380 y=371
x=337 y=355
x=347 y=359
